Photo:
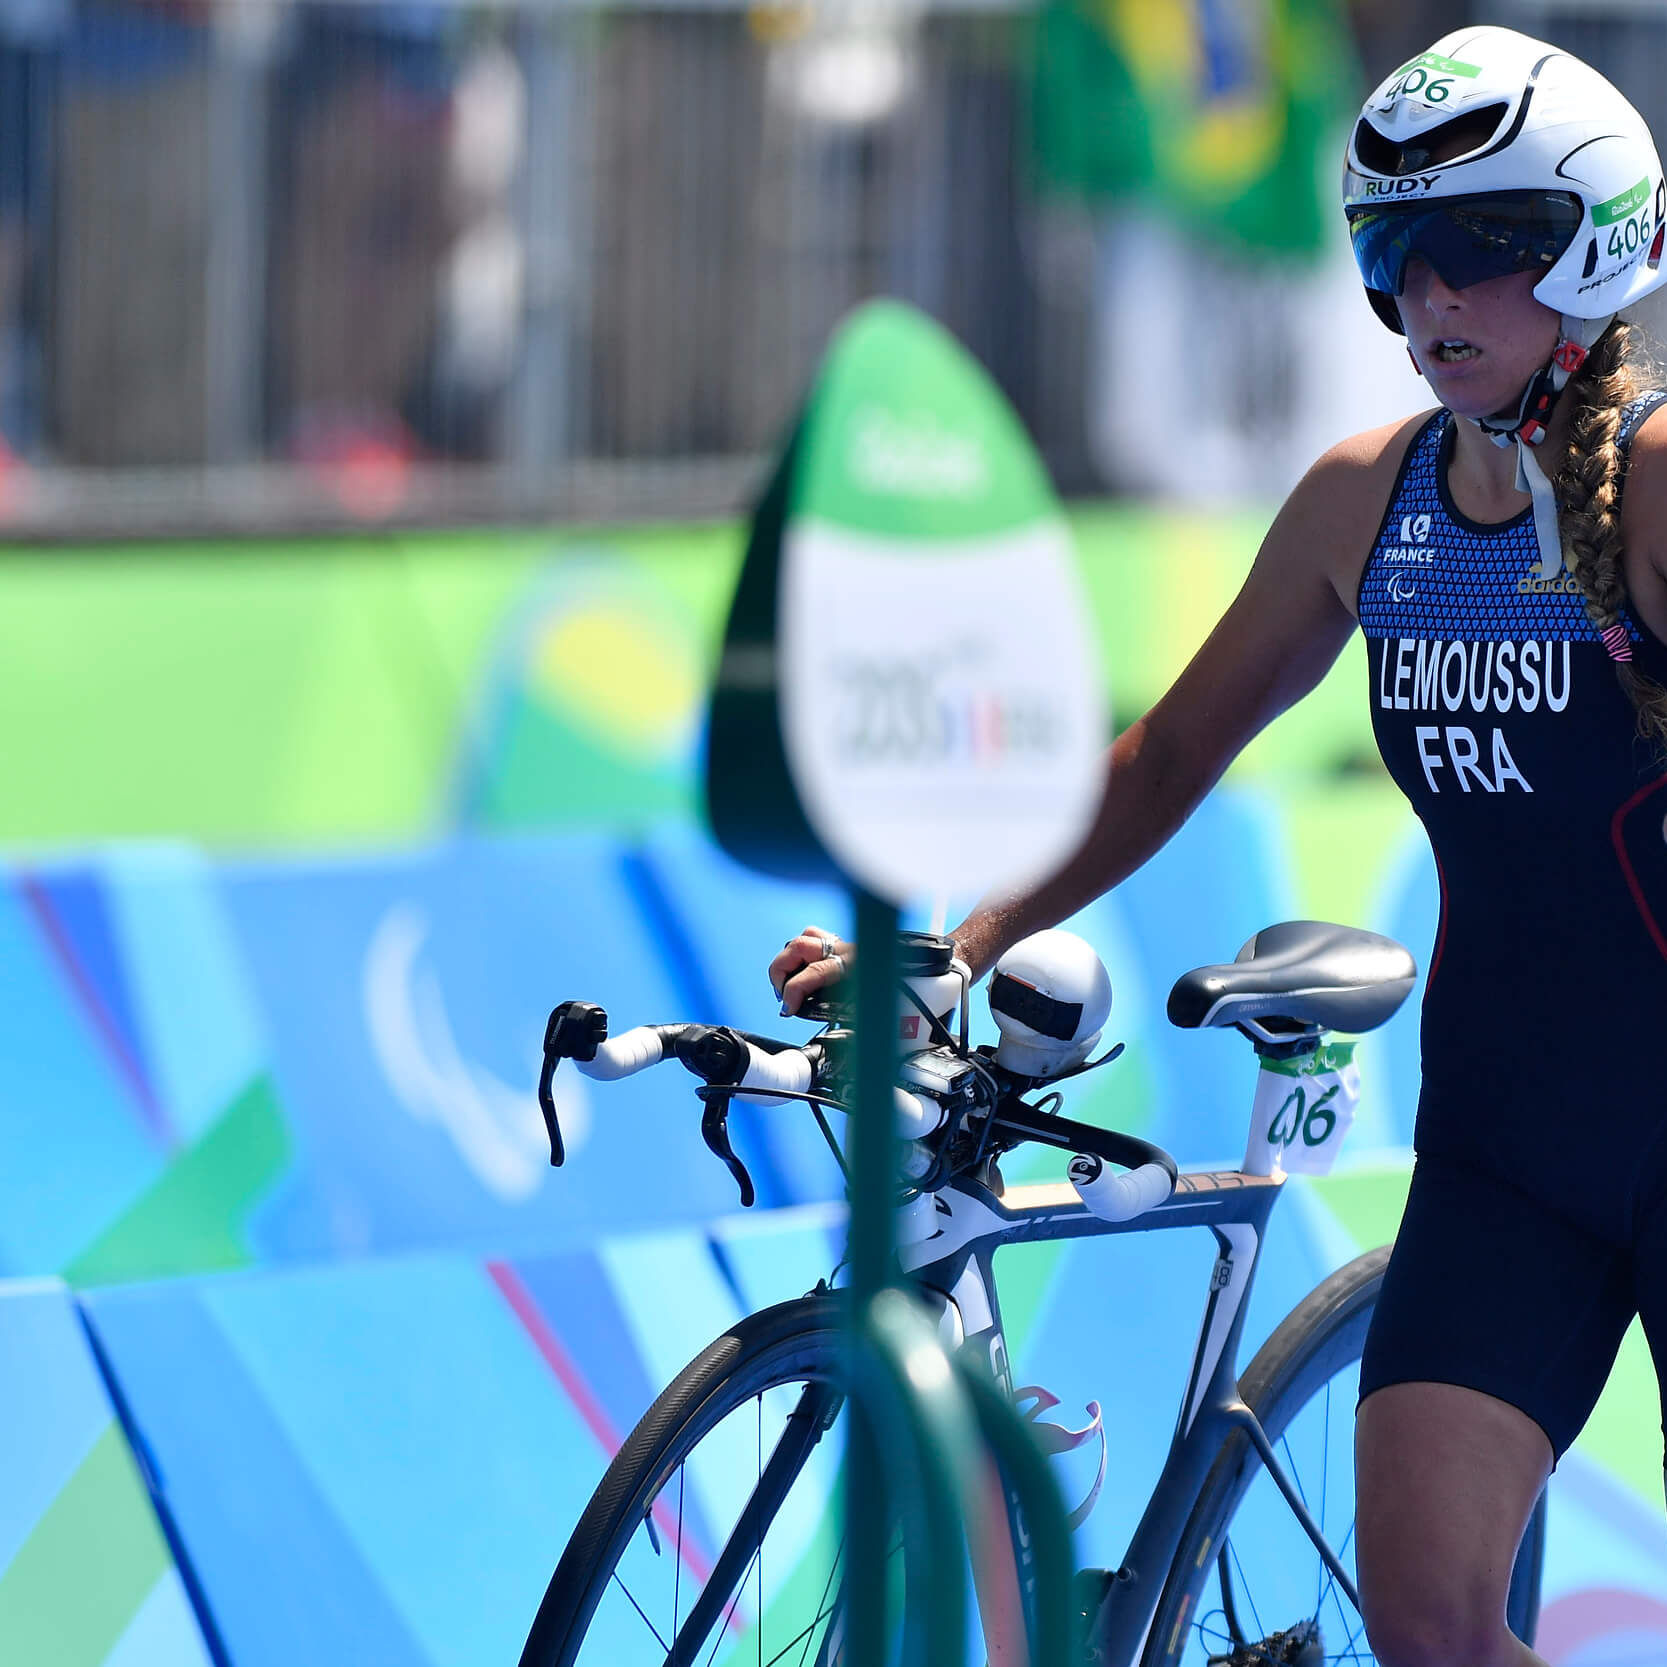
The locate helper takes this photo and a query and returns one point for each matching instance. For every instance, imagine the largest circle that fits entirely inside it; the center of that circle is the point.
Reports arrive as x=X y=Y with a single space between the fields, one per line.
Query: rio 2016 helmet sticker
x=1526 y=116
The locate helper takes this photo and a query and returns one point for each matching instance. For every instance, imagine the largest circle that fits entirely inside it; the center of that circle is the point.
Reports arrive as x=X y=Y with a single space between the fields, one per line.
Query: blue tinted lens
x=1468 y=240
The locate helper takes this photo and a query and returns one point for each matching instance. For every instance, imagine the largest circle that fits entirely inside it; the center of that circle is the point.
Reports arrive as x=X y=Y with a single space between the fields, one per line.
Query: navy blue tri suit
x=1537 y=1222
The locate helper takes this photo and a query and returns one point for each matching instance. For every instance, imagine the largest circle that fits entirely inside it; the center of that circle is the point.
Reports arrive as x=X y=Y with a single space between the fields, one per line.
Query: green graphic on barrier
x=192 y=1219
x=87 y=1566
x=388 y=690
x=87 y=1578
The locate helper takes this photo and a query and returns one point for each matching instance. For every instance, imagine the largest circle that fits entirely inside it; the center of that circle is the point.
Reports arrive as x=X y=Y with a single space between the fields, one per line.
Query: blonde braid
x=1589 y=501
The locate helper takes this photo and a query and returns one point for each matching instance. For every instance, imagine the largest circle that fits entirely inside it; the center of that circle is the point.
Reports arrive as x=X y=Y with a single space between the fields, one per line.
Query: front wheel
x=714 y=1536
x=1247 y=1587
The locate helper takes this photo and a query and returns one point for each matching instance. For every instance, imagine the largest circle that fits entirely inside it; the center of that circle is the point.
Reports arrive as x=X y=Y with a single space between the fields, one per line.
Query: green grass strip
x=1368 y=1202
x=192 y=1218
x=86 y=1568
x=1620 y=1432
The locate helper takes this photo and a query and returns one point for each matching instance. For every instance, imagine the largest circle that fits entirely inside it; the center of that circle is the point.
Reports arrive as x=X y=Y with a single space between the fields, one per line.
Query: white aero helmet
x=1050 y=996
x=1544 y=167
x=1555 y=172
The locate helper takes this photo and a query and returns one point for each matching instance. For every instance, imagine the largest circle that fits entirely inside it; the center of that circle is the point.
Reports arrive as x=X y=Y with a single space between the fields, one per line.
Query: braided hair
x=1588 y=486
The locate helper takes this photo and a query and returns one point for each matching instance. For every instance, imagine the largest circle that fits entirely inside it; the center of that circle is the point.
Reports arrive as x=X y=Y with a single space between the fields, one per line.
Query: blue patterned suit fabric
x=1501 y=715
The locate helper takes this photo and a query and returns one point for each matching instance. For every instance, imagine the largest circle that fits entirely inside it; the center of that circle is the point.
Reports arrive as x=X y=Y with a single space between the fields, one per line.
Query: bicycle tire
x=1321 y=1336
x=795 y=1342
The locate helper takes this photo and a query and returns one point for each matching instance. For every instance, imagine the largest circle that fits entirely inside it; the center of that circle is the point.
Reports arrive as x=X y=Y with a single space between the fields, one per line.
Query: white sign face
x=941 y=704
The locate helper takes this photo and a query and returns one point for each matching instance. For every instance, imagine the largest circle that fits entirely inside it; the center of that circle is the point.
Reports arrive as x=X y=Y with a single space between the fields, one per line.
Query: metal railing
x=289 y=263
x=280 y=264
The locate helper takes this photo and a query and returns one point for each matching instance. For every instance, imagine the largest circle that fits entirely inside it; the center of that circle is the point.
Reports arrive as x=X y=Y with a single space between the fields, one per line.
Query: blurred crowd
x=229 y=230
x=404 y=232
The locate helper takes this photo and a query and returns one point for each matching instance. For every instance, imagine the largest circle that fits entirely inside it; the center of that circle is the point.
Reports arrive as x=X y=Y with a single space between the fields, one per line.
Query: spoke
x=1330 y=1588
x=759 y=1405
x=1353 y=1629
x=1245 y=1584
x=805 y=1635
x=1295 y=1471
x=639 y=1609
x=1326 y=1469
x=827 y=1586
x=677 y=1556
x=719 y=1601
x=729 y=1614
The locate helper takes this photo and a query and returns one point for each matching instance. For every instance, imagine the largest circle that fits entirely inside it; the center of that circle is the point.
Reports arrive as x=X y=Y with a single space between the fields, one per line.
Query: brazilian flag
x=1217 y=109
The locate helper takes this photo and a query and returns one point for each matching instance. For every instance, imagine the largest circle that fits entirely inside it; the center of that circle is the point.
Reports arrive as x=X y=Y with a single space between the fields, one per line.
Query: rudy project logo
x=1400 y=187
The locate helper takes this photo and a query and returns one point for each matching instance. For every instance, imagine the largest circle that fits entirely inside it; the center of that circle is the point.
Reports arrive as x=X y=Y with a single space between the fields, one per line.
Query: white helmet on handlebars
x=1050 y=996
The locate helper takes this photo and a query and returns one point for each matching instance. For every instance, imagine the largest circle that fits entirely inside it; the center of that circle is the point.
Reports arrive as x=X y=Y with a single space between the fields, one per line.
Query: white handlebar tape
x=1113 y=1196
x=622 y=1056
x=788 y=1070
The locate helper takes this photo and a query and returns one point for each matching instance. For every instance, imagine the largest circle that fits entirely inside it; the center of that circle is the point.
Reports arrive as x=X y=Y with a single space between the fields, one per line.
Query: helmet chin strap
x=1527 y=425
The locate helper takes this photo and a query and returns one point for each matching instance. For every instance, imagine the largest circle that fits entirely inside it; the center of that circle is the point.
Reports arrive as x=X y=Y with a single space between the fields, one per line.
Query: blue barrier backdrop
x=306 y=1353
x=369 y=1434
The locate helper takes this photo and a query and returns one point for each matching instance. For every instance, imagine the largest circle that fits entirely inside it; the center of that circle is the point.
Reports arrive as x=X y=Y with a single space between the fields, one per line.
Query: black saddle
x=1300 y=973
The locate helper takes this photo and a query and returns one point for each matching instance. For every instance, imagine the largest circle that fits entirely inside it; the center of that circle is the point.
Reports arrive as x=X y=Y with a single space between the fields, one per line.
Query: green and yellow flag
x=1215 y=109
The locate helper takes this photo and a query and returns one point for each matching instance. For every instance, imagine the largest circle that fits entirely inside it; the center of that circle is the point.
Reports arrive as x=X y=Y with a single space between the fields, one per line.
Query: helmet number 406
x=1433 y=88
x=1629 y=236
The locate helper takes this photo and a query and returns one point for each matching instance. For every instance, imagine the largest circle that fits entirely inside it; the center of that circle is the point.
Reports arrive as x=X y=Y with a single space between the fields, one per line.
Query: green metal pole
x=873 y=1162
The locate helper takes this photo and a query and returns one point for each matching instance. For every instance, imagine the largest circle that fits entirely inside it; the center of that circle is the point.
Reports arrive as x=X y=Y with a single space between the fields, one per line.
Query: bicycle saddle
x=1304 y=971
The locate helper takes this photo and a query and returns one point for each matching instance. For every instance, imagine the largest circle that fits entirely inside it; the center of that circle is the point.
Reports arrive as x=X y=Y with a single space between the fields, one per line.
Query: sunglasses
x=1467 y=240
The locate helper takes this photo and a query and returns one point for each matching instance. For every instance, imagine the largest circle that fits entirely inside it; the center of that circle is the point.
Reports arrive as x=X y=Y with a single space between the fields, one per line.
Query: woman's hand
x=808 y=963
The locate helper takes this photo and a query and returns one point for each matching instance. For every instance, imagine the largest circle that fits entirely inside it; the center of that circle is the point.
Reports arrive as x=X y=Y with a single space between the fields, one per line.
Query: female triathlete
x=1504 y=201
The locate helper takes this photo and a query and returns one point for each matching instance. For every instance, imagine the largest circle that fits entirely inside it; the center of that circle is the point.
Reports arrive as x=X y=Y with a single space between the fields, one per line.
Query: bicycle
x=1241 y=1557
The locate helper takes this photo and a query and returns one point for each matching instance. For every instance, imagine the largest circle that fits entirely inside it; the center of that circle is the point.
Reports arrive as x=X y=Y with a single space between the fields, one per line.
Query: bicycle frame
x=955 y=1267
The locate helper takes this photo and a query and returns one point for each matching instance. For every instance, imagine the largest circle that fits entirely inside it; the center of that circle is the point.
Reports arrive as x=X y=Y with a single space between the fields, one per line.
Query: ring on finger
x=830 y=951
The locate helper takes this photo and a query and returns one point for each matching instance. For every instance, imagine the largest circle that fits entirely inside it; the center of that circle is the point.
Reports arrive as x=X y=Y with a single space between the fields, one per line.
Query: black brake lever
x=718 y=1055
x=575 y=1031
x=714 y=1130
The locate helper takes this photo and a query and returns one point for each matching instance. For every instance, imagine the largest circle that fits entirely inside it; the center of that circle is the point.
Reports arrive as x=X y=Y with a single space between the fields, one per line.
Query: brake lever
x=714 y=1130
x=575 y=1031
x=718 y=1055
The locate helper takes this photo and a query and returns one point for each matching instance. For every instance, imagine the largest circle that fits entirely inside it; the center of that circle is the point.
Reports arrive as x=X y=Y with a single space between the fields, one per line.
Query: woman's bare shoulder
x=1334 y=511
x=1352 y=465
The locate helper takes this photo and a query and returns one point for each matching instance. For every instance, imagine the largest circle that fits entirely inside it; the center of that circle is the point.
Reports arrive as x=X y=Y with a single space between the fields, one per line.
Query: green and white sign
x=910 y=657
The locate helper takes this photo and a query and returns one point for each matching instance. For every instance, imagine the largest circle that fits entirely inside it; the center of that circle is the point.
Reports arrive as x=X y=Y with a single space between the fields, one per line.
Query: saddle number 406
x=1304 y=1110
x=1314 y=1122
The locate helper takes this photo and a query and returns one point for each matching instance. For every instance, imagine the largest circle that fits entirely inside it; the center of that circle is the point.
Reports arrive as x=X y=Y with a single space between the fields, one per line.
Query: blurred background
x=267 y=264
x=383 y=391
